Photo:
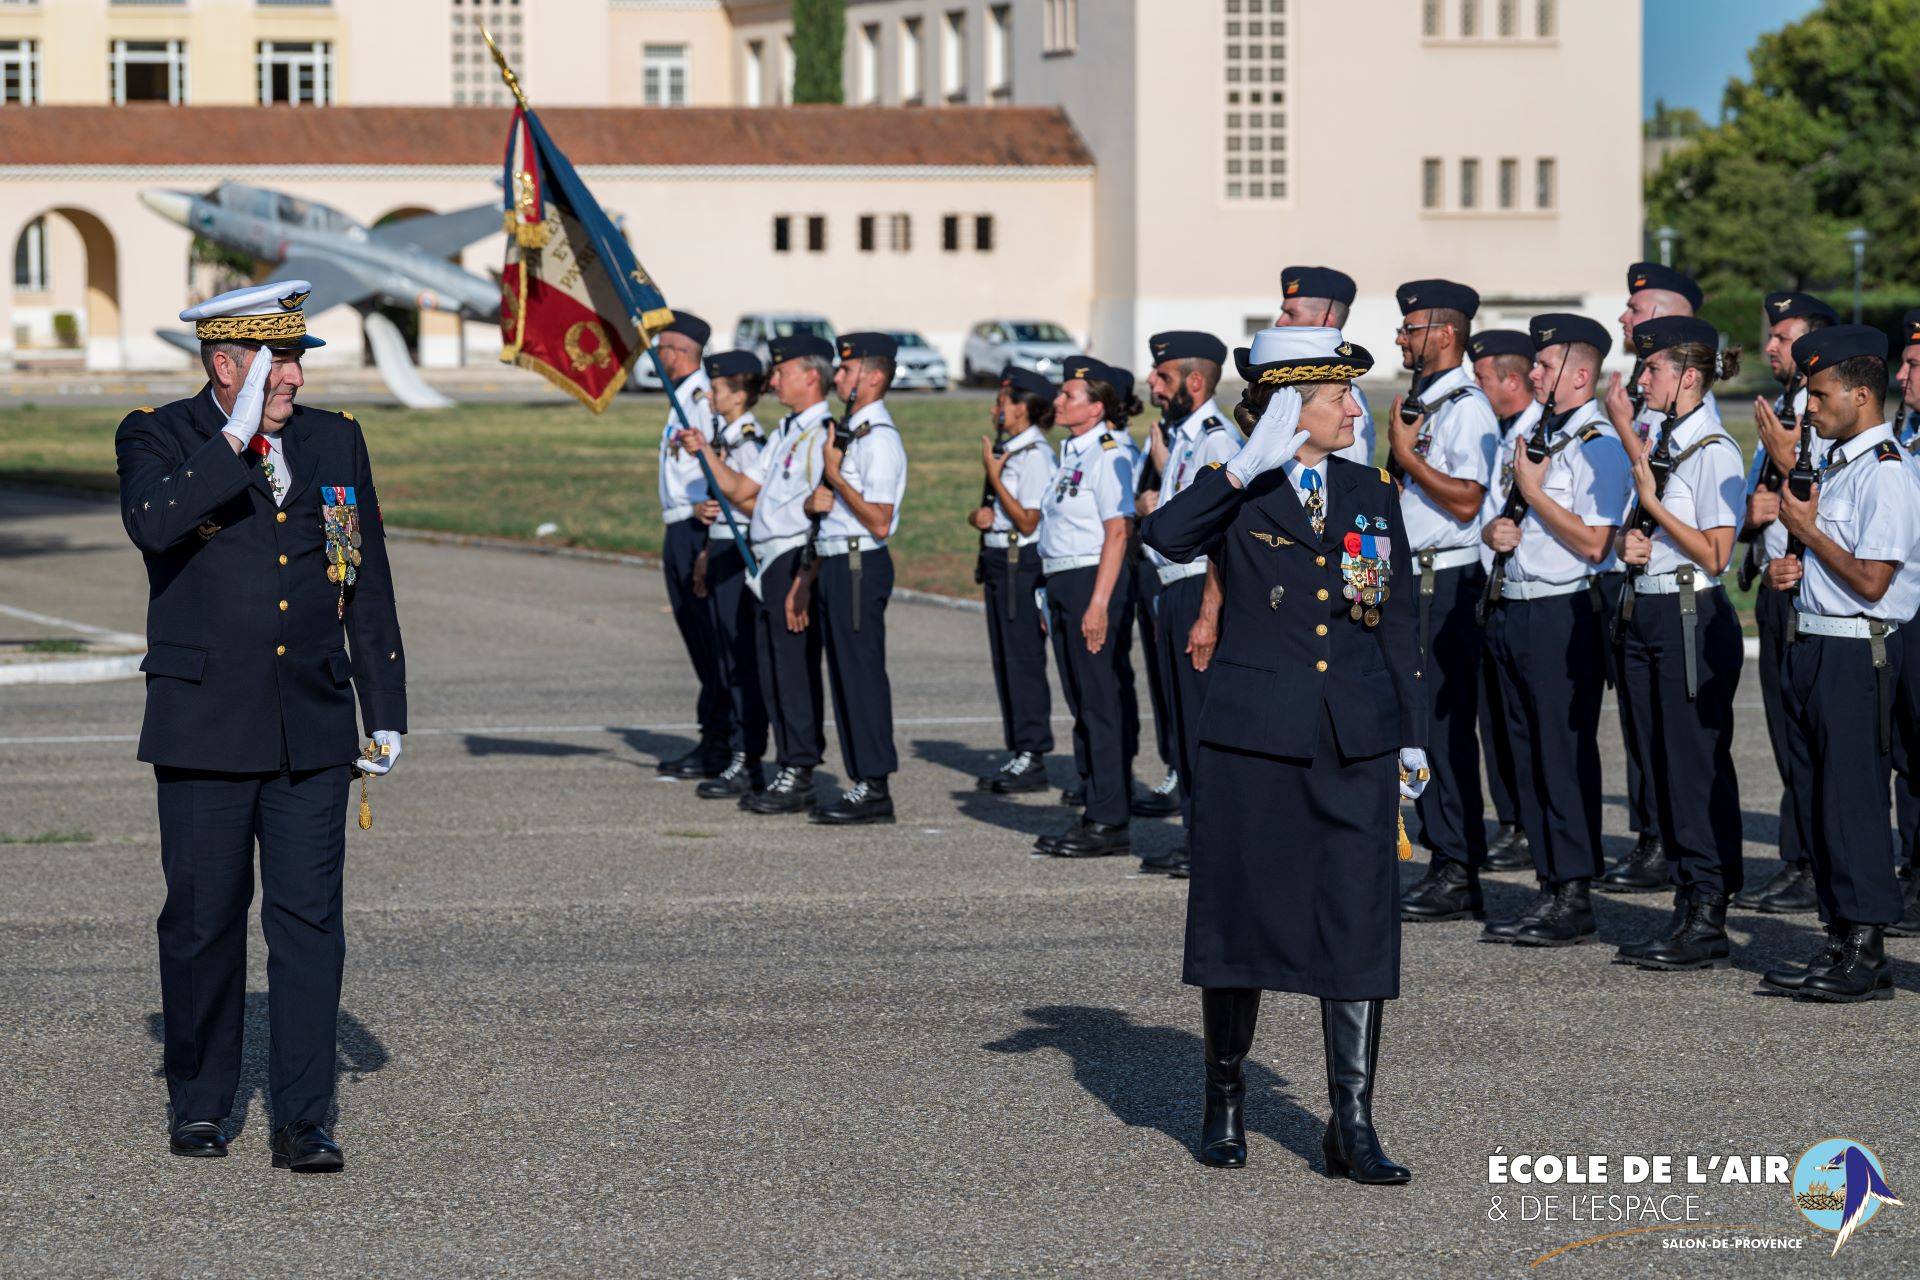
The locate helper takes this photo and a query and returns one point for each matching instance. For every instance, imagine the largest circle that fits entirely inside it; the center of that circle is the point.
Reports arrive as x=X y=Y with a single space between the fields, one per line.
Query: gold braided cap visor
x=1286 y=375
x=278 y=327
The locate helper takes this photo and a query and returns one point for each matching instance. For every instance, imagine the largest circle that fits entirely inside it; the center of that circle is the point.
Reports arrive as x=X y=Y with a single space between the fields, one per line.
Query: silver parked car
x=757 y=327
x=1039 y=345
x=918 y=366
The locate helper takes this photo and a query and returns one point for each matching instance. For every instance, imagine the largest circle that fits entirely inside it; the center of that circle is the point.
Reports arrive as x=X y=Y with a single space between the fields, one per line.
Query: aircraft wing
x=439 y=235
x=334 y=284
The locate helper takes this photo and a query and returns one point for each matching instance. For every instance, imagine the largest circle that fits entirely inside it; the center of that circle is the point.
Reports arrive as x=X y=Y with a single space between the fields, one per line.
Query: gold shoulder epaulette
x=1215 y=466
x=1589 y=432
x=1108 y=442
x=348 y=416
x=1385 y=476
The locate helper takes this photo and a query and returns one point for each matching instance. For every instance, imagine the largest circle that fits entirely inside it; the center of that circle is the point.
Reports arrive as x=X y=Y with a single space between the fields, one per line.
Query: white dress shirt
x=1594 y=481
x=789 y=469
x=1773 y=538
x=1203 y=436
x=1093 y=484
x=682 y=483
x=1872 y=509
x=875 y=466
x=1027 y=471
x=1704 y=492
x=1463 y=436
x=742 y=440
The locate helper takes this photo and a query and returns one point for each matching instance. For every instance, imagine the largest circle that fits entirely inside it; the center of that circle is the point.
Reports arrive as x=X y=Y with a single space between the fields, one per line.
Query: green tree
x=1816 y=141
x=819 y=43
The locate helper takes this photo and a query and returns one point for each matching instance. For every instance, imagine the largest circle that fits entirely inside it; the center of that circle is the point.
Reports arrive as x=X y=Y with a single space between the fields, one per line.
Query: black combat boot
x=1567 y=921
x=1643 y=870
x=866 y=803
x=1161 y=802
x=1449 y=891
x=1791 y=893
x=1508 y=850
x=1908 y=925
x=705 y=760
x=1092 y=840
x=1504 y=930
x=1074 y=796
x=791 y=792
x=1791 y=977
x=1167 y=863
x=1227 y=1017
x=1699 y=943
x=1026 y=771
x=741 y=777
x=1858 y=973
x=1630 y=952
x=1748 y=899
x=1351 y=1031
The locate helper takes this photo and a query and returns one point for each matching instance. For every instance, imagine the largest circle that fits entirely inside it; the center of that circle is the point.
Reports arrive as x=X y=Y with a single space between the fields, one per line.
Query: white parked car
x=757 y=327
x=918 y=367
x=1039 y=345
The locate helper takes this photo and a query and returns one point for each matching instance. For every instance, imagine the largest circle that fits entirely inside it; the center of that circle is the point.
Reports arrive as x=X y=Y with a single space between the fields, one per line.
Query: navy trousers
x=1452 y=814
x=209 y=826
x=1146 y=589
x=731 y=607
x=1771 y=612
x=1641 y=814
x=685 y=540
x=1017 y=639
x=857 y=659
x=1503 y=782
x=1185 y=689
x=789 y=670
x=1906 y=759
x=1548 y=653
x=1841 y=777
x=1688 y=746
x=1092 y=685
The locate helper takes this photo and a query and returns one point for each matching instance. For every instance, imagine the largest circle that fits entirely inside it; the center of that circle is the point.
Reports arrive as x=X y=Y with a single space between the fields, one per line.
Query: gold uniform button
x=1321 y=561
x=1320 y=630
x=1322 y=593
x=280 y=650
x=283 y=559
x=1320 y=665
x=279 y=517
x=283 y=606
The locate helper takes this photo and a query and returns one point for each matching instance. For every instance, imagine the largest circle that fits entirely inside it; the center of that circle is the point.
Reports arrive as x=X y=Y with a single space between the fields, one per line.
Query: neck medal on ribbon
x=342 y=515
x=1364 y=564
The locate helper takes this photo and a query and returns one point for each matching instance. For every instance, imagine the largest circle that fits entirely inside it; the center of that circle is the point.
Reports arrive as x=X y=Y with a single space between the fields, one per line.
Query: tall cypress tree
x=819 y=43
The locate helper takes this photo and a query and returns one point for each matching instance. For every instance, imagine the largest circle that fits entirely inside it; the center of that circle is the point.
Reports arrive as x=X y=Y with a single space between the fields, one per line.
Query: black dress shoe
x=305 y=1147
x=195 y=1137
x=1092 y=840
x=1075 y=796
x=790 y=792
x=1699 y=942
x=1908 y=925
x=1350 y=1030
x=706 y=760
x=1644 y=870
x=1791 y=977
x=741 y=777
x=1161 y=802
x=866 y=803
x=1858 y=973
x=1791 y=895
x=1026 y=771
x=1163 y=864
x=1503 y=930
x=1508 y=850
x=1567 y=921
x=1449 y=891
x=1227 y=1018
x=1183 y=869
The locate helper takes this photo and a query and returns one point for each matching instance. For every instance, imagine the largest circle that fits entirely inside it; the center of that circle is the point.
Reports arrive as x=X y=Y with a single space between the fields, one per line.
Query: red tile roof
x=156 y=134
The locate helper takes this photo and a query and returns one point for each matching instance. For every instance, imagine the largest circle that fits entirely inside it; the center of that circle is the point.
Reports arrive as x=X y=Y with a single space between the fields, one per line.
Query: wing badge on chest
x=1271 y=539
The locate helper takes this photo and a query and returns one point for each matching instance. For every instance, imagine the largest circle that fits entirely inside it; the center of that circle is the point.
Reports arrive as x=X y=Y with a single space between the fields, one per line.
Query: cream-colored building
x=1204 y=144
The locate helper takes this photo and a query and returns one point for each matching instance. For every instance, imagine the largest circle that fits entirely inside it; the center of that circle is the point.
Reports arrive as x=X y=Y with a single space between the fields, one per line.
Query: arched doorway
x=66 y=291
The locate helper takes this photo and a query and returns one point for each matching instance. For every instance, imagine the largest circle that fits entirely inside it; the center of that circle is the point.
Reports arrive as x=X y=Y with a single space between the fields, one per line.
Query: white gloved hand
x=1275 y=439
x=244 y=422
x=391 y=741
x=1413 y=762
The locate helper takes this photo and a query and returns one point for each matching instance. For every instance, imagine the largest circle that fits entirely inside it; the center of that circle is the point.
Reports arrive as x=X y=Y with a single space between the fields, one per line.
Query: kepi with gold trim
x=271 y=314
x=1301 y=353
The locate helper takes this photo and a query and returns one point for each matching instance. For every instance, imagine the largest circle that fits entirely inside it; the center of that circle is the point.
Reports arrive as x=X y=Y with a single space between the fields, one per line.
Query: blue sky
x=1691 y=48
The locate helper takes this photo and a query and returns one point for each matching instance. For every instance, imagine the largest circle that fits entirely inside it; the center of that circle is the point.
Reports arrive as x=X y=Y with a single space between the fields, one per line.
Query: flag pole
x=653 y=352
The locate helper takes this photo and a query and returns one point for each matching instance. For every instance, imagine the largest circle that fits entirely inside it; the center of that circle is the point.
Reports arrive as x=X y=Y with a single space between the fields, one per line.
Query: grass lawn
x=504 y=470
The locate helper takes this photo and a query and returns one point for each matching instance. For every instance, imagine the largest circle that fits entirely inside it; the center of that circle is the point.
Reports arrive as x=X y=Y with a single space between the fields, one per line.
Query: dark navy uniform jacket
x=1287 y=644
x=248 y=664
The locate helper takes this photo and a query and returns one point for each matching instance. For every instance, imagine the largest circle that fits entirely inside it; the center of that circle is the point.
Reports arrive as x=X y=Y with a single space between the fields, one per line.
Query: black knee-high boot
x=1351 y=1029
x=1227 y=1016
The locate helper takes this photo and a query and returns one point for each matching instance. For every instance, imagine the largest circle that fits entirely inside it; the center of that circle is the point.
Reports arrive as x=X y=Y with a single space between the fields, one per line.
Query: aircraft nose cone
x=171 y=205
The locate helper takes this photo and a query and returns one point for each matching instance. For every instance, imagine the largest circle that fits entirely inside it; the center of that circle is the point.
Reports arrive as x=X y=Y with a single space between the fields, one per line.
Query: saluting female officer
x=1019 y=469
x=1680 y=637
x=1084 y=523
x=1315 y=708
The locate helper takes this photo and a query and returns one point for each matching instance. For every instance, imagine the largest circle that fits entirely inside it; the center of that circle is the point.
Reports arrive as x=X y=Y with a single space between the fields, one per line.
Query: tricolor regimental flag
x=575 y=306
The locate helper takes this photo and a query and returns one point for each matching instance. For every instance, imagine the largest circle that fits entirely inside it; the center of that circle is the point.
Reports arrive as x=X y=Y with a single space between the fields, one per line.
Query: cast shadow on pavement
x=1151 y=1077
x=481 y=745
x=357 y=1052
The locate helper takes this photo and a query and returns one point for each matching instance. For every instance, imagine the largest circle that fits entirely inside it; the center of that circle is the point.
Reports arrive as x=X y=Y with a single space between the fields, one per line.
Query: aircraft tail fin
x=440 y=234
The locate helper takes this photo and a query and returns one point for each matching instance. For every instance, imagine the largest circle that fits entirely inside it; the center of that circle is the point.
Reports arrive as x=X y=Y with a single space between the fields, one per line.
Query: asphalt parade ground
x=593 y=1025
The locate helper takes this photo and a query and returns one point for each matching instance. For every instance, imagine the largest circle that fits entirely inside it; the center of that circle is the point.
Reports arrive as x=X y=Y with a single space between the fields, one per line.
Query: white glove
x=1275 y=439
x=1413 y=762
x=244 y=422
x=388 y=739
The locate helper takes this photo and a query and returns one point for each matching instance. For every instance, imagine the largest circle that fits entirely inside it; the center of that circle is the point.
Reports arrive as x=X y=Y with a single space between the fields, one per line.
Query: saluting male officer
x=1858 y=585
x=270 y=603
x=1445 y=457
x=1788 y=316
x=1503 y=366
x=1322 y=297
x=683 y=488
x=1315 y=706
x=1546 y=625
x=1186 y=371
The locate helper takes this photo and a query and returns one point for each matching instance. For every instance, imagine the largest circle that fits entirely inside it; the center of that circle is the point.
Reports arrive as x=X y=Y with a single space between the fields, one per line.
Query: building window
x=867 y=236
x=950 y=233
x=1543 y=20
x=1430 y=183
x=756 y=73
x=867 y=65
x=1430 y=18
x=1507 y=19
x=1256 y=117
x=983 y=232
x=1543 y=184
x=30 y=258
x=664 y=69
x=476 y=81
x=1469 y=184
x=1469 y=19
x=1509 y=183
x=816 y=233
x=787 y=65
x=1060 y=26
x=148 y=71
x=298 y=73
x=782 y=233
x=900 y=232
x=1000 y=53
x=913 y=57
x=19 y=71
x=953 y=58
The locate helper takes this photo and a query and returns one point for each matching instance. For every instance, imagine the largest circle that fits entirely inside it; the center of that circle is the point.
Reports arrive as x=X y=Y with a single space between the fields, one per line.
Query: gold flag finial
x=506 y=72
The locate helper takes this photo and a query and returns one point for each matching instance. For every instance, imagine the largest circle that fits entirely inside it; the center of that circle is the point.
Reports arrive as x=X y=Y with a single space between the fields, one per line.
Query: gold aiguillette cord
x=375 y=751
x=1405 y=846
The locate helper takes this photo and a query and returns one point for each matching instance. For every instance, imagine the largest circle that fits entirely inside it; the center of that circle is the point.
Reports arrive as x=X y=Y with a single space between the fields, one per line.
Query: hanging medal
x=341 y=514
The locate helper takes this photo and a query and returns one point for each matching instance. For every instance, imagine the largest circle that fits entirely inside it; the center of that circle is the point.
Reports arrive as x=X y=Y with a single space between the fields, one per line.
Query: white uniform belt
x=1060 y=564
x=1668 y=584
x=1510 y=590
x=767 y=550
x=1817 y=624
x=841 y=546
x=1451 y=558
x=997 y=539
x=674 y=515
x=1175 y=572
x=720 y=531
